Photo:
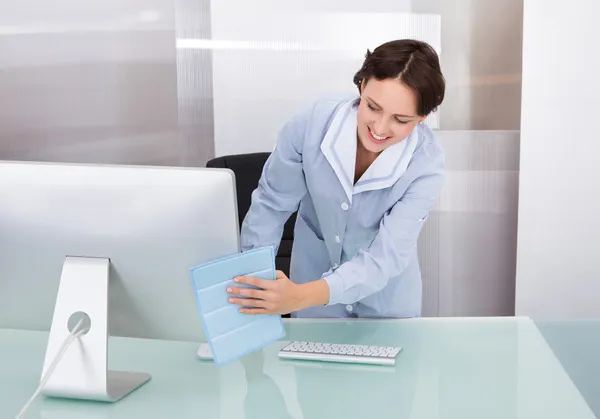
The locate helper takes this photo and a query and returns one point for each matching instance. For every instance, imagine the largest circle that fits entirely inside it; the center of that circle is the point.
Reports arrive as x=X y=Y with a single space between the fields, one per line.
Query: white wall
x=558 y=268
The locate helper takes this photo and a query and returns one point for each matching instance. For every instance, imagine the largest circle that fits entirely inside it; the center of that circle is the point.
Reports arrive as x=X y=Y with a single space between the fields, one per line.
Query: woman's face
x=387 y=114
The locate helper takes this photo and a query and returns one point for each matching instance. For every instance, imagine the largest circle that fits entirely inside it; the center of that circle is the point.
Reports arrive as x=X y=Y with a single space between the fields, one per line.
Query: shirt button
x=345 y=206
x=337 y=238
x=349 y=307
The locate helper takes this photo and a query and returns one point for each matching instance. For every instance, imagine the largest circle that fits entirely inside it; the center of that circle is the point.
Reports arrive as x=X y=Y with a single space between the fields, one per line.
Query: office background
x=179 y=82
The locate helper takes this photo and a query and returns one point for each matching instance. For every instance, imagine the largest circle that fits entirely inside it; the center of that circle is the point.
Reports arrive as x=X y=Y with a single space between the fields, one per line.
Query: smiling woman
x=400 y=84
x=365 y=173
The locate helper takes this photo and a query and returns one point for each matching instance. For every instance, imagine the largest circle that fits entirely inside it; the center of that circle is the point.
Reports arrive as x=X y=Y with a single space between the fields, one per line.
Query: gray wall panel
x=88 y=84
x=468 y=246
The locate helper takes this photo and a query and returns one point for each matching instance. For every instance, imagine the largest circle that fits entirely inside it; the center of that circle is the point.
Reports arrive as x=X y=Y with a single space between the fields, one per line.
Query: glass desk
x=449 y=368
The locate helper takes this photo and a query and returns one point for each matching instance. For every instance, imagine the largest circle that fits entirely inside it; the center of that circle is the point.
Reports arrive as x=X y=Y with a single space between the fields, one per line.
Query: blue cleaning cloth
x=231 y=334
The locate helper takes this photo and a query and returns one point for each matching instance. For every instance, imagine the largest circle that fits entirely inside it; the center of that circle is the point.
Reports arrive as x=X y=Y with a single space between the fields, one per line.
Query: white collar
x=339 y=147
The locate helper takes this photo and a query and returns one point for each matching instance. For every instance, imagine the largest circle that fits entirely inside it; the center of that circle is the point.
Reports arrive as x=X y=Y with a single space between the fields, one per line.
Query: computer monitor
x=77 y=225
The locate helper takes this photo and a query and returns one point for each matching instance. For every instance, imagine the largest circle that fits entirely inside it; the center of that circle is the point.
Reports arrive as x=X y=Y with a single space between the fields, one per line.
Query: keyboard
x=330 y=352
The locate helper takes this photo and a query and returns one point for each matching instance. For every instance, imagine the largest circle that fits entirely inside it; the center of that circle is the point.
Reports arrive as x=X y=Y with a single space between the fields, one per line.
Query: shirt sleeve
x=280 y=188
x=389 y=253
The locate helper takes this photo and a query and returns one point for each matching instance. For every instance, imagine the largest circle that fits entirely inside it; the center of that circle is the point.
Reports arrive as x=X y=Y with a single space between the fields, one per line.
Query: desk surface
x=450 y=368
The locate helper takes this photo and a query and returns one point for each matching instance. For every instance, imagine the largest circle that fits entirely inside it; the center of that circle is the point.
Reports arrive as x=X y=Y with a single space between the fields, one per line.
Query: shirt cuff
x=335 y=288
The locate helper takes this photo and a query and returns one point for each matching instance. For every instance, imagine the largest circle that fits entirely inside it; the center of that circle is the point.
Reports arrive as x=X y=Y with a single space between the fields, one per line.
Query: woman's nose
x=381 y=127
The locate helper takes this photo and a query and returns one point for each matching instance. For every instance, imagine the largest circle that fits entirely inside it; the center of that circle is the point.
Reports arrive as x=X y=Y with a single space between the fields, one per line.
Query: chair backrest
x=247 y=169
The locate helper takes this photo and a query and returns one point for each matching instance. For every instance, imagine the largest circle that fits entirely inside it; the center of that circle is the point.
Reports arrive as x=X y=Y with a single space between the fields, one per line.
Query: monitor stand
x=82 y=372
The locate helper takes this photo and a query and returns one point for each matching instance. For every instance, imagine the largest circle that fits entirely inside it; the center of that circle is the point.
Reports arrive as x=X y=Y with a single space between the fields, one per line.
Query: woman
x=365 y=172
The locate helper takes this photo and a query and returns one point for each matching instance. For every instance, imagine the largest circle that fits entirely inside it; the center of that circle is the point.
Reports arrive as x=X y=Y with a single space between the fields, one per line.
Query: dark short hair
x=413 y=62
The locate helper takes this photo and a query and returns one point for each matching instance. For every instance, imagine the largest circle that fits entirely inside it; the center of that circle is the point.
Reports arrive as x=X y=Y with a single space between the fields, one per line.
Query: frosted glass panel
x=270 y=58
x=468 y=246
x=482 y=50
x=269 y=65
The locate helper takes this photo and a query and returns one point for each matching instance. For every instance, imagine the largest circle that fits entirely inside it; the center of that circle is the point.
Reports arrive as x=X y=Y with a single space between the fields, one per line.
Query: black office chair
x=247 y=169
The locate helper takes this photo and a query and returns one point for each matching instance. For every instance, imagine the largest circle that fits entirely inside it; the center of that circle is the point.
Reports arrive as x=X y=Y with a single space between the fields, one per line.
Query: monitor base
x=82 y=371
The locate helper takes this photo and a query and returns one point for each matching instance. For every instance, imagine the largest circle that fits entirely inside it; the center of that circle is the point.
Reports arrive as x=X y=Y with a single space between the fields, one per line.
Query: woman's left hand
x=281 y=296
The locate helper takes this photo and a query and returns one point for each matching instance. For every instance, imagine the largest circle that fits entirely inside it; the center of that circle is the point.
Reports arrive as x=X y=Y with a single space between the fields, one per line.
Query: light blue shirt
x=360 y=237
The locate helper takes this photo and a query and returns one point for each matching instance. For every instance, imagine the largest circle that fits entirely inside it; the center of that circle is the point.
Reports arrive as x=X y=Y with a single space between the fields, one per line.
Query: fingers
x=256 y=282
x=259 y=298
x=247 y=292
x=247 y=302
x=252 y=305
x=254 y=311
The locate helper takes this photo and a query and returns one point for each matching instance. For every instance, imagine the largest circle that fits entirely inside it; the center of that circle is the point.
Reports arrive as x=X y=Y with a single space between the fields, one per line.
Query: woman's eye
x=371 y=107
x=402 y=122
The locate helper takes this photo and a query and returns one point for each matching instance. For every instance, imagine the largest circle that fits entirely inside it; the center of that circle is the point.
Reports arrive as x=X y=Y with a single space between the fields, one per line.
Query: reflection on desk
x=449 y=368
